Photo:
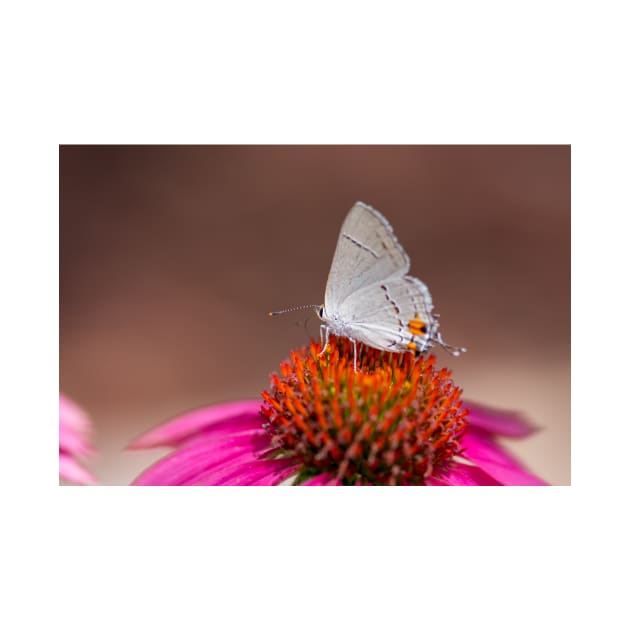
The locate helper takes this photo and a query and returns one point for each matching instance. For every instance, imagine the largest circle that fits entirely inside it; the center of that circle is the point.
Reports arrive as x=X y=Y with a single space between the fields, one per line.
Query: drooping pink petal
x=237 y=461
x=71 y=470
x=482 y=450
x=220 y=419
x=251 y=473
x=188 y=463
x=225 y=433
x=463 y=475
x=276 y=476
x=508 y=423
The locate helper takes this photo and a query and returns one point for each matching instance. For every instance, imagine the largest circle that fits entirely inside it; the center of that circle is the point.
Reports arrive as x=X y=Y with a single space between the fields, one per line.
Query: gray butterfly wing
x=367 y=252
x=393 y=315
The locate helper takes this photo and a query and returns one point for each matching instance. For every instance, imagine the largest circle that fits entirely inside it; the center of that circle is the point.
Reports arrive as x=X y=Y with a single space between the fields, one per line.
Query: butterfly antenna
x=453 y=350
x=293 y=308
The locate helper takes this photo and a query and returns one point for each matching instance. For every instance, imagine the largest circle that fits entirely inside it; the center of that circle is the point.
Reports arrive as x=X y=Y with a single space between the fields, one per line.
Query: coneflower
x=396 y=420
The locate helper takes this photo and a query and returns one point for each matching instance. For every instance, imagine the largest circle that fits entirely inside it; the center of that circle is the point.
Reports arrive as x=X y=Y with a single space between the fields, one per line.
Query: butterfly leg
x=324 y=330
x=354 y=343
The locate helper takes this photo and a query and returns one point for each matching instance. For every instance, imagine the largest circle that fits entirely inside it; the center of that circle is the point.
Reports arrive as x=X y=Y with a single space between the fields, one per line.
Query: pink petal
x=463 y=475
x=254 y=472
x=221 y=433
x=74 y=427
x=507 y=423
x=72 y=416
x=226 y=466
x=275 y=477
x=318 y=480
x=221 y=419
x=72 y=442
x=328 y=479
x=482 y=450
x=71 y=470
x=188 y=463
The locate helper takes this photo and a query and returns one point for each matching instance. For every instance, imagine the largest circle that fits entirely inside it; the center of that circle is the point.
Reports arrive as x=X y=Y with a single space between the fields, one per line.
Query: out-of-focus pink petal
x=72 y=442
x=74 y=429
x=71 y=470
x=72 y=416
x=318 y=480
x=482 y=450
x=463 y=475
x=188 y=463
x=251 y=473
x=221 y=419
x=508 y=423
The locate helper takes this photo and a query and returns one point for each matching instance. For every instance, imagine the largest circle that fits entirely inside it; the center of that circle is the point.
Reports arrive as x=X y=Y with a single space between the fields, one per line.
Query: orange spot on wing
x=411 y=345
x=417 y=327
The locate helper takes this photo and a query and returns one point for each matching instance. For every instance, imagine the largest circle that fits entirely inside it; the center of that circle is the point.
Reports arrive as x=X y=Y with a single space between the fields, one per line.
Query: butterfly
x=369 y=296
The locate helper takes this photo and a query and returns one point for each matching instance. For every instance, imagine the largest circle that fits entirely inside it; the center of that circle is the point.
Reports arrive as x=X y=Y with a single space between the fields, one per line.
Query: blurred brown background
x=171 y=257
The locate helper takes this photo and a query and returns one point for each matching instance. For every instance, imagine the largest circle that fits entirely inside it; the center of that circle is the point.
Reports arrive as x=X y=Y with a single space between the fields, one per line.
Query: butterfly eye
x=320 y=312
